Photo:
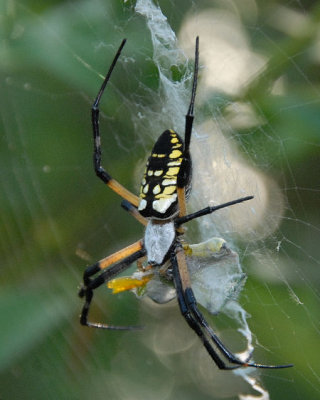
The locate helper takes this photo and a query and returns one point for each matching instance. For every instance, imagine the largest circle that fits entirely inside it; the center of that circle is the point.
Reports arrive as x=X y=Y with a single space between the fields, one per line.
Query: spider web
x=256 y=132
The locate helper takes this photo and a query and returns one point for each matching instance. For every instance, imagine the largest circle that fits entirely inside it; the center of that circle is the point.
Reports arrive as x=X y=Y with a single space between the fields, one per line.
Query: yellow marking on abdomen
x=175 y=154
x=173 y=171
x=169 y=190
x=174 y=163
x=169 y=182
x=158 y=155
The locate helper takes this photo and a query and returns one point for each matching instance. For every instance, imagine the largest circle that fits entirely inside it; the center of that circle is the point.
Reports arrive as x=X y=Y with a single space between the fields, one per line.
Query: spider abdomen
x=158 y=192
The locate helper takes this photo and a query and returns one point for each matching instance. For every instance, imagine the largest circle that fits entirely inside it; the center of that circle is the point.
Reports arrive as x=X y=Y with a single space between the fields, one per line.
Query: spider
x=161 y=207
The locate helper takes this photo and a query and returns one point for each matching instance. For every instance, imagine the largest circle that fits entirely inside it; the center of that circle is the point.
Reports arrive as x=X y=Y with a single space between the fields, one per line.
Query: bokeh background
x=56 y=217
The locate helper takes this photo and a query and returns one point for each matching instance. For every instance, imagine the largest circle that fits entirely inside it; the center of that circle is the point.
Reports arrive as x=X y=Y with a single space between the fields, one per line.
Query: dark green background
x=52 y=206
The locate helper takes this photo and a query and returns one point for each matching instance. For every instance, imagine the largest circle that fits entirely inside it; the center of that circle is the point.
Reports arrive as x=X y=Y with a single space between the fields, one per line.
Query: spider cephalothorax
x=161 y=207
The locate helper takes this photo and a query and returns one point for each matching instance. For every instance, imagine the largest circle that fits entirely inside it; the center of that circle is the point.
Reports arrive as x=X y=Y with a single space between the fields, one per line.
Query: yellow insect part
x=127 y=283
x=204 y=249
x=174 y=140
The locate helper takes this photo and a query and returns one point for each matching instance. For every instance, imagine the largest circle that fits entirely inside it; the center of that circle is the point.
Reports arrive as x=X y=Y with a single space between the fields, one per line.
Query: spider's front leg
x=99 y=170
x=112 y=266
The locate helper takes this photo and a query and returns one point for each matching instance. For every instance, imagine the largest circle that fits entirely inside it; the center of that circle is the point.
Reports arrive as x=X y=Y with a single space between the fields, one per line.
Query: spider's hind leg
x=185 y=300
x=198 y=323
x=108 y=261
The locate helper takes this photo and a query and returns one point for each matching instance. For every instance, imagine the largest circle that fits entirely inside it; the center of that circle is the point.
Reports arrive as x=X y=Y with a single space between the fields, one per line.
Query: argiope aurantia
x=161 y=207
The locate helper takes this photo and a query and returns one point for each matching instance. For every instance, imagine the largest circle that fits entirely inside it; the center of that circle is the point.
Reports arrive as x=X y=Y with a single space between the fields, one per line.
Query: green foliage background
x=51 y=55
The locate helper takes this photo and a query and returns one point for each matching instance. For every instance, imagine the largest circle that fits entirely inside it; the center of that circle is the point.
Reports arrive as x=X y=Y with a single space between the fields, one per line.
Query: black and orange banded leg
x=196 y=320
x=110 y=267
x=179 y=278
x=133 y=211
x=109 y=260
x=100 y=171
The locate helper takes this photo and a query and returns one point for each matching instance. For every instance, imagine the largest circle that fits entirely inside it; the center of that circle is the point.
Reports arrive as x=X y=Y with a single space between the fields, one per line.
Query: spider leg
x=190 y=116
x=132 y=210
x=182 y=203
x=208 y=210
x=125 y=257
x=100 y=171
x=107 y=261
x=185 y=169
x=191 y=320
x=197 y=322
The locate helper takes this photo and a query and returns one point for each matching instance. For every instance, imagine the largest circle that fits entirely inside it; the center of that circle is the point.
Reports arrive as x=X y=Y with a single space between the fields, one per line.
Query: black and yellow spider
x=161 y=207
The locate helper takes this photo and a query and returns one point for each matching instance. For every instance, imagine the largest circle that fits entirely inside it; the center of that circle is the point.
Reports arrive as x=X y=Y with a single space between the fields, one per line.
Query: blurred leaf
x=27 y=318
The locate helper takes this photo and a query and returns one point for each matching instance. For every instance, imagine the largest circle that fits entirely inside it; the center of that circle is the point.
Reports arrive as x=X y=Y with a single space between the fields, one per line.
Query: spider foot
x=114 y=327
x=246 y=363
x=254 y=365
